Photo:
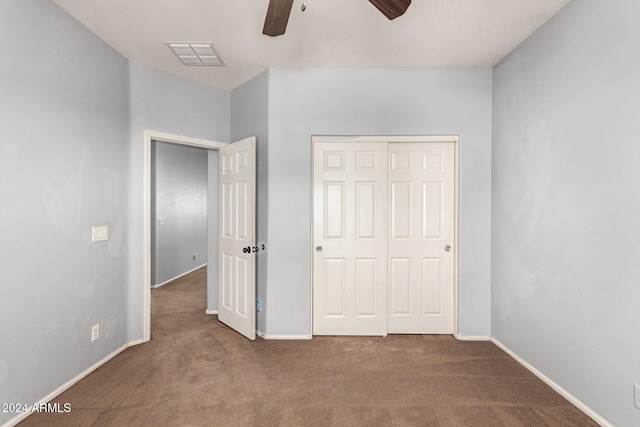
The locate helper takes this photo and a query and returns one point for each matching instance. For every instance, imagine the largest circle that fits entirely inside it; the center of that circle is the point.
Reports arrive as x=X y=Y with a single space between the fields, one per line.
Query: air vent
x=196 y=54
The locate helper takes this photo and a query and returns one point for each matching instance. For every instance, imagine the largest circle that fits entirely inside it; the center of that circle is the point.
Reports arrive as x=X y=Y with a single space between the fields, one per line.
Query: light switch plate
x=99 y=234
x=95 y=332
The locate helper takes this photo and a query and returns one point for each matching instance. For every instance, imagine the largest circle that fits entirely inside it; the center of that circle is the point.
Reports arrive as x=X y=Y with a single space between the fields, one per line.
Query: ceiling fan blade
x=275 y=24
x=391 y=8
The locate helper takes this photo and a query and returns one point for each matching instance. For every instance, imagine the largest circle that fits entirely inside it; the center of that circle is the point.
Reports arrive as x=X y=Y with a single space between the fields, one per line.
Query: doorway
x=384 y=235
x=236 y=258
x=148 y=137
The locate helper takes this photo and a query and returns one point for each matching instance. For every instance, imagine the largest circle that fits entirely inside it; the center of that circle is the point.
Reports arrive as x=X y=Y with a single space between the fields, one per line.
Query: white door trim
x=148 y=136
x=455 y=139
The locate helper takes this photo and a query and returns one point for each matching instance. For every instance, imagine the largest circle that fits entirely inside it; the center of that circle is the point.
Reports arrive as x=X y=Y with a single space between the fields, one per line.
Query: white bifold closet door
x=383 y=237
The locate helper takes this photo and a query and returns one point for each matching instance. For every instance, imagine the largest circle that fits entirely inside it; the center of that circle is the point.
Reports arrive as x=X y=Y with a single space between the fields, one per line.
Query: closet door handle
x=447 y=248
x=318 y=249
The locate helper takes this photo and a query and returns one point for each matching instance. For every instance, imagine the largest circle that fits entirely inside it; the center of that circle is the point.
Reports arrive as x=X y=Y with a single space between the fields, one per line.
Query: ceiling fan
x=275 y=24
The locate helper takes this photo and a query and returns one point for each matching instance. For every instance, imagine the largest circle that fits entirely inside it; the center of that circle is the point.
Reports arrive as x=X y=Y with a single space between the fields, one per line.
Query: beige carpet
x=197 y=372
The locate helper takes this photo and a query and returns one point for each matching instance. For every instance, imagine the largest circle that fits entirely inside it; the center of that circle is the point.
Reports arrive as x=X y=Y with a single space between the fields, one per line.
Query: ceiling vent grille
x=196 y=54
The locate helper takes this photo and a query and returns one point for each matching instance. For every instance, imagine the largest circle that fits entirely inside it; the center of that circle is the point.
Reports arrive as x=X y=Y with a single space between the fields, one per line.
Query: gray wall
x=164 y=102
x=64 y=142
x=306 y=102
x=566 y=203
x=179 y=200
x=249 y=117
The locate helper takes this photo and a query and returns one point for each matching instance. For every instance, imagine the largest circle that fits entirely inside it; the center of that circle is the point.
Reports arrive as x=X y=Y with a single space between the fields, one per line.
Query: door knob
x=447 y=248
x=318 y=248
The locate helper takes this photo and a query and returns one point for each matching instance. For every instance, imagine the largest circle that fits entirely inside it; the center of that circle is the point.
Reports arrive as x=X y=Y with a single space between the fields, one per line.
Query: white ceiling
x=330 y=33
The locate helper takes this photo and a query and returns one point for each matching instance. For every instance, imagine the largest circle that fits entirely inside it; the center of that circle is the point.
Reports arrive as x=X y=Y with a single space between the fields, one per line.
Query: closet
x=384 y=213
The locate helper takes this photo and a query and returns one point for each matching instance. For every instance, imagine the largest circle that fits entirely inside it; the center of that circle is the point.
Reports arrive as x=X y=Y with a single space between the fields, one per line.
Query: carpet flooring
x=195 y=371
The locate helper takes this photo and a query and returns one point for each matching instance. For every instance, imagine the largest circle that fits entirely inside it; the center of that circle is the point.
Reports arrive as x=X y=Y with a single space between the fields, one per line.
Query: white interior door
x=350 y=239
x=237 y=284
x=421 y=233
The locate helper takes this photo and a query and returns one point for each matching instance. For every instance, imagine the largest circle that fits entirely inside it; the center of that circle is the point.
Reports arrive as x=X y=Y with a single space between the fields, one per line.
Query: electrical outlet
x=258 y=306
x=636 y=395
x=196 y=256
x=95 y=332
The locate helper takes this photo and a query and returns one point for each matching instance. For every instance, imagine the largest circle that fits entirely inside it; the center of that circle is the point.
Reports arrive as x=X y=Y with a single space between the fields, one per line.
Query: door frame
x=455 y=139
x=148 y=137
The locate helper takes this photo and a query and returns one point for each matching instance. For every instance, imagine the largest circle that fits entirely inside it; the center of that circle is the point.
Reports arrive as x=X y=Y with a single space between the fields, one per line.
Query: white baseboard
x=571 y=398
x=211 y=311
x=283 y=337
x=179 y=276
x=21 y=416
x=471 y=338
x=137 y=342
